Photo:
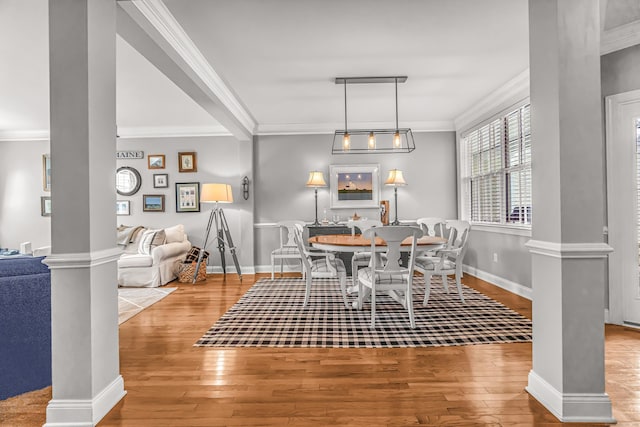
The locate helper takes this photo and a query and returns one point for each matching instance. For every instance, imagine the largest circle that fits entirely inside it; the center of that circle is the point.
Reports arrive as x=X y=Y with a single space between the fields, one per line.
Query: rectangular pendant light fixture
x=373 y=141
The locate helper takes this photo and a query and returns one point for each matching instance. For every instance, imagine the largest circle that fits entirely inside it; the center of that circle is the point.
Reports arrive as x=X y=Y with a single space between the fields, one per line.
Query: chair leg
x=307 y=292
x=408 y=301
x=373 y=305
x=354 y=273
x=445 y=283
x=427 y=289
x=459 y=286
x=273 y=266
x=343 y=289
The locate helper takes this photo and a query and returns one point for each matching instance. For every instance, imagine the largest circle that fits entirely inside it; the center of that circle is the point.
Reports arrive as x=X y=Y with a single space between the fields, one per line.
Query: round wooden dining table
x=356 y=243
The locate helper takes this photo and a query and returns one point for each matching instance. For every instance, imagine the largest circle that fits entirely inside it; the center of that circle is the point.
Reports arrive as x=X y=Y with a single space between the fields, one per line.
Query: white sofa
x=151 y=258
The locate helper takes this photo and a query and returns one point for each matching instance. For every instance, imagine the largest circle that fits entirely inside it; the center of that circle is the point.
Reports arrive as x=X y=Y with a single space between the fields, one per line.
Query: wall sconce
x=245 y=188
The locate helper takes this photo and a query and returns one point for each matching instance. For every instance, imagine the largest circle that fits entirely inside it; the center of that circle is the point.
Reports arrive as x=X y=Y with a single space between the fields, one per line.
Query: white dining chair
x=448 y=260
x=431 y=226
x=361 y=258
x=319 y=264
x=390 y=277
x=288 y=249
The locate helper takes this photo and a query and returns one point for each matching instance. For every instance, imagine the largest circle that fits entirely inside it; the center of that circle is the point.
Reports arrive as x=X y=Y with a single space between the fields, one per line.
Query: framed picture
x=160 y=180
x=187 y=162
x=45 y=205
x=123 y=207
x=153 y=202
x=156 y=161
x=354 y=186
x=46 y=172
x=187 y=197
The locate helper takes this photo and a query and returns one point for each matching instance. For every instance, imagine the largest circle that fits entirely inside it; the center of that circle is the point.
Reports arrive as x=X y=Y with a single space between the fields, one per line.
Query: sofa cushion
x=135 y=260
x=149 y=240
x=174 y=234
x=22 y=266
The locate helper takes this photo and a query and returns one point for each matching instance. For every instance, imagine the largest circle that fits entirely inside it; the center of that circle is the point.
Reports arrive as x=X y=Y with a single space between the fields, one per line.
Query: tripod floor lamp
x=316 y=180
x=218 y=193
x=395 y=179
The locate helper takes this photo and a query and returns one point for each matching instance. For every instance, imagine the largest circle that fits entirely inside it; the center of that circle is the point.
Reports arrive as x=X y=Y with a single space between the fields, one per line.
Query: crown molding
x=159 y=16
x=171 y=131
x=24 y=135
x=619 y=38
x=330 y=128
x=511 y=92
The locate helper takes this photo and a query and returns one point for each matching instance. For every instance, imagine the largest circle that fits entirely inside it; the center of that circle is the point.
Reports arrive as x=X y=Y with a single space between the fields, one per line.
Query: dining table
x=359 y=243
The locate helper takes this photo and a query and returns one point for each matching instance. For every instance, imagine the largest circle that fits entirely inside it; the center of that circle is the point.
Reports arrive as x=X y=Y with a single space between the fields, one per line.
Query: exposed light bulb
x=372 y=141
x=346 y=142
x=397 y=142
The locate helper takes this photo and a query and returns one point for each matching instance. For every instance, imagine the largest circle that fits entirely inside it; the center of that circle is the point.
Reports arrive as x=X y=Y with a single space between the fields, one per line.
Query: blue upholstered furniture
x=25 y=325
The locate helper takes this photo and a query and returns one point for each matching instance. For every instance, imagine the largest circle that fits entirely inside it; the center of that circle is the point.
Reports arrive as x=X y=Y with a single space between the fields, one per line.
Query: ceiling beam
x=150 y=28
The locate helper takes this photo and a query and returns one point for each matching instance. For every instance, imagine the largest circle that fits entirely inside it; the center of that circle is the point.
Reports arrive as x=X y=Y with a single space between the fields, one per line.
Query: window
x=496 y=170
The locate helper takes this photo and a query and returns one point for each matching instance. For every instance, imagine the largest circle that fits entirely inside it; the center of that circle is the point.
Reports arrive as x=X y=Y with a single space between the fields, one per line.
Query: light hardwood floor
x=171 y=383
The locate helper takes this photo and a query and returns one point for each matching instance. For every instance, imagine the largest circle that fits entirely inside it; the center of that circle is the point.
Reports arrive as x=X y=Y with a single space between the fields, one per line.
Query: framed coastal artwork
x=354 y=186
x=123 y=207
x=45 y=205
x=156 y=161
x=153 y=202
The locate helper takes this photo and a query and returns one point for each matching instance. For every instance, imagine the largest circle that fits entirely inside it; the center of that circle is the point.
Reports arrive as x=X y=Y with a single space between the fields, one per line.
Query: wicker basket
x=187 y=270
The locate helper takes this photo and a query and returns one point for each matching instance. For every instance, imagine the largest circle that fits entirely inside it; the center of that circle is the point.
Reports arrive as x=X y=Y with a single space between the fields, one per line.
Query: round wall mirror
x=128 y=181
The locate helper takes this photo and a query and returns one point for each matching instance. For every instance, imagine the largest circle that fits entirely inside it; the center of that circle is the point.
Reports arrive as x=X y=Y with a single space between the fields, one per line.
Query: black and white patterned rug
x=270 y=314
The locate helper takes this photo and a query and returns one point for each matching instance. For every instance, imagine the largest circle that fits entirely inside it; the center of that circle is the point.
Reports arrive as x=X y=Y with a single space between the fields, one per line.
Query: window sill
x=512 y=230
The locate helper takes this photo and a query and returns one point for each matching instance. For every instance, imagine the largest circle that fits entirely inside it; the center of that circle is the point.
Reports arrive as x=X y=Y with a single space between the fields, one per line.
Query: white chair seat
x=362 y=256
x=431 y=262
x=292 y=252
x=321 y=265
x=381 y=278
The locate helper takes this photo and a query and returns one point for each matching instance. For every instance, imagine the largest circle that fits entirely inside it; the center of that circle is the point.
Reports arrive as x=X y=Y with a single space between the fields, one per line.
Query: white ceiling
x=280 y=58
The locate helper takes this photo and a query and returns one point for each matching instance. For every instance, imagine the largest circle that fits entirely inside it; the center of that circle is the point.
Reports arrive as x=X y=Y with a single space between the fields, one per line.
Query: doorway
x=623 y=209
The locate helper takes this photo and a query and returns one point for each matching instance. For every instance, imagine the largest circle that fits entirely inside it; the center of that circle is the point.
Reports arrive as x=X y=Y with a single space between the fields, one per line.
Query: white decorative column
x=84 y=299
x=568 y=253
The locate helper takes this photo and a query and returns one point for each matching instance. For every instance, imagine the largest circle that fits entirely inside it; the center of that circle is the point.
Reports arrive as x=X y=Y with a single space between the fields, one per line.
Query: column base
x=85 y=412
x=571 y=407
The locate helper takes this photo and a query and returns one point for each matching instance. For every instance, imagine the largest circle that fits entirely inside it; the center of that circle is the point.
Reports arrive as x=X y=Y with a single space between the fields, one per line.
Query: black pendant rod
x=345 y=106
x=396 y=104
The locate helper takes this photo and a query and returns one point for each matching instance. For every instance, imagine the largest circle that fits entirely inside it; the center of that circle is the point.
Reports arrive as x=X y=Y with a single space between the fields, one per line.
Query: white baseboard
x=216 y=269
x=571 y=407
x=286 y=268
x=85 y=412
x=500 y=282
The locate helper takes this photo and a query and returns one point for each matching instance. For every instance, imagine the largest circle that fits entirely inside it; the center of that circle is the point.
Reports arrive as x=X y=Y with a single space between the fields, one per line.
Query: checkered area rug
x=270 y=314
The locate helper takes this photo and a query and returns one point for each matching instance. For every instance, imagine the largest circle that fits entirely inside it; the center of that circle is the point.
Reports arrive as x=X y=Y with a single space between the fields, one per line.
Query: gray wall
x=20 y=192
x=219 y=159
x=283 y=163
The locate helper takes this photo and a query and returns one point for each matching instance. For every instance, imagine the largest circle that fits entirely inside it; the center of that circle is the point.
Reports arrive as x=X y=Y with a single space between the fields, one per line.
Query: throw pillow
x=149 y=240
x=175 y=233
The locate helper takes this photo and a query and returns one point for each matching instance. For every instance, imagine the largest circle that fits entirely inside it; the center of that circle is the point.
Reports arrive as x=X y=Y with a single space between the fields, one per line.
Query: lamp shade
x=216 y=193
x=316 y=179
x=395 y=178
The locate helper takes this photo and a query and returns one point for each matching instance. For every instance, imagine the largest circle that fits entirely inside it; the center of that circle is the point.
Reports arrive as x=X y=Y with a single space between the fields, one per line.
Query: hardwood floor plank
x=171 y=383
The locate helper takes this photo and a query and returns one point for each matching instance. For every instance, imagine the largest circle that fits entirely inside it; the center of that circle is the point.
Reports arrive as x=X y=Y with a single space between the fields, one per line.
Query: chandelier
x=373 y=141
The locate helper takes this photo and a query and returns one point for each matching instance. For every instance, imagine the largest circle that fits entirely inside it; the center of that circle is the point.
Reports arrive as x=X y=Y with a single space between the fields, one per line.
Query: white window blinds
x=496 y=160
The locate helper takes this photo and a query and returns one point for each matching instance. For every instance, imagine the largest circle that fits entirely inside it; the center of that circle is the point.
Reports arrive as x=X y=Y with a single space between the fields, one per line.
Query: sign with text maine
x=129 y=154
